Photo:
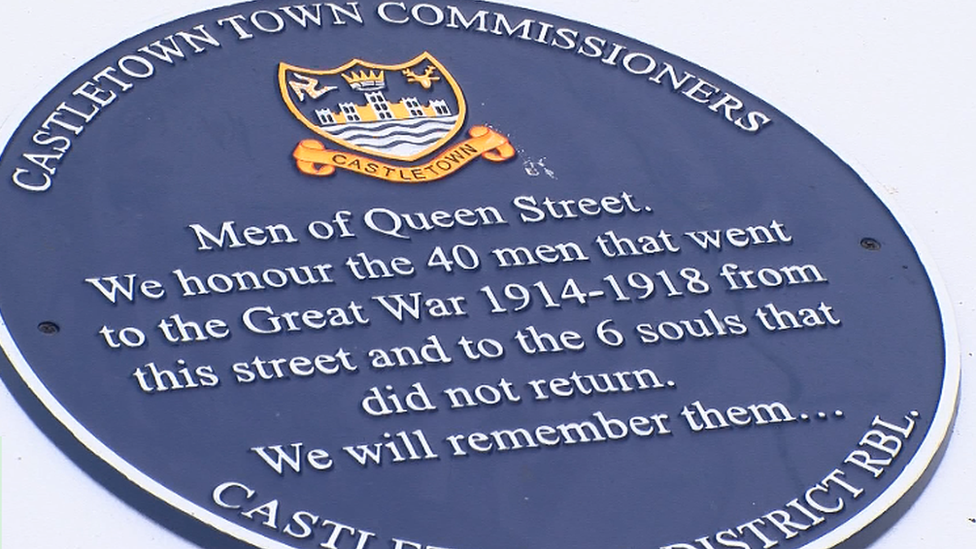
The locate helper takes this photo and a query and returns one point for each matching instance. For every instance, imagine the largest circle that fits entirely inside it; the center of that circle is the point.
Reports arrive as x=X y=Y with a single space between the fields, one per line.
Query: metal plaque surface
x=459 y=275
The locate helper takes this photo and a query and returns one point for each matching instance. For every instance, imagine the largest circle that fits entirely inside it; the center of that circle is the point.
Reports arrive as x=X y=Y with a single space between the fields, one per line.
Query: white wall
x=888 y=85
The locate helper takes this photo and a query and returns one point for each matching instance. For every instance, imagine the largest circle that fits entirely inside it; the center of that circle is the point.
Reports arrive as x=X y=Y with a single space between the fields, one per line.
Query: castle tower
x=371 y=84
x=440 y=107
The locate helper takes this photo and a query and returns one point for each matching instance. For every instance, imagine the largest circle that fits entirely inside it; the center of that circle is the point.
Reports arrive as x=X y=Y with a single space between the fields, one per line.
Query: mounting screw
x=48 y=328
x=870 y=244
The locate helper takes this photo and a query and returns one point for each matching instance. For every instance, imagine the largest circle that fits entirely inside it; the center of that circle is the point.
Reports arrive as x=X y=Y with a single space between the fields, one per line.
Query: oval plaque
x=457 y=275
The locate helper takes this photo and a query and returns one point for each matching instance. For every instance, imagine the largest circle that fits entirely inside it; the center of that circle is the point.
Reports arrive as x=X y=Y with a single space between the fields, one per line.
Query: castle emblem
x=400 y=112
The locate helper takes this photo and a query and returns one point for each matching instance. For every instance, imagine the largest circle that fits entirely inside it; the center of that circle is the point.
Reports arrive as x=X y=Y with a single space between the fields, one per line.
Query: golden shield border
x=283 y=68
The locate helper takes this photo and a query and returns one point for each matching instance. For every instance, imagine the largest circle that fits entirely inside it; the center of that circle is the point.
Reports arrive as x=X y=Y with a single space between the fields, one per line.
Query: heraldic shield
x=400 y=112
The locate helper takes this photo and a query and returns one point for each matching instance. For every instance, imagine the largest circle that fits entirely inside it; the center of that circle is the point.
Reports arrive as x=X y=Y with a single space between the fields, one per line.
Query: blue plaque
x=420 y=275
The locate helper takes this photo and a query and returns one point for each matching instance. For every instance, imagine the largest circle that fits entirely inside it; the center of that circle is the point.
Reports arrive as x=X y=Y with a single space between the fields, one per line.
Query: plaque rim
x=912 y=476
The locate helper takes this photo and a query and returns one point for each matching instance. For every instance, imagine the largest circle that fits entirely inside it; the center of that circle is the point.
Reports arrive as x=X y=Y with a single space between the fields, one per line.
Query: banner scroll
x=313 y=158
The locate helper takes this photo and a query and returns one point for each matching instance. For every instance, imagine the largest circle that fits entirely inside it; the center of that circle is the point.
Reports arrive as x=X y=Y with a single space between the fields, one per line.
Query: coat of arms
x=400 y=112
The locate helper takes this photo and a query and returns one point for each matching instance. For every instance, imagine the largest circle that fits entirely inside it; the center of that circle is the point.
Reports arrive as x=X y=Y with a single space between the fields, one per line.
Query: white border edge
x=913 y=472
